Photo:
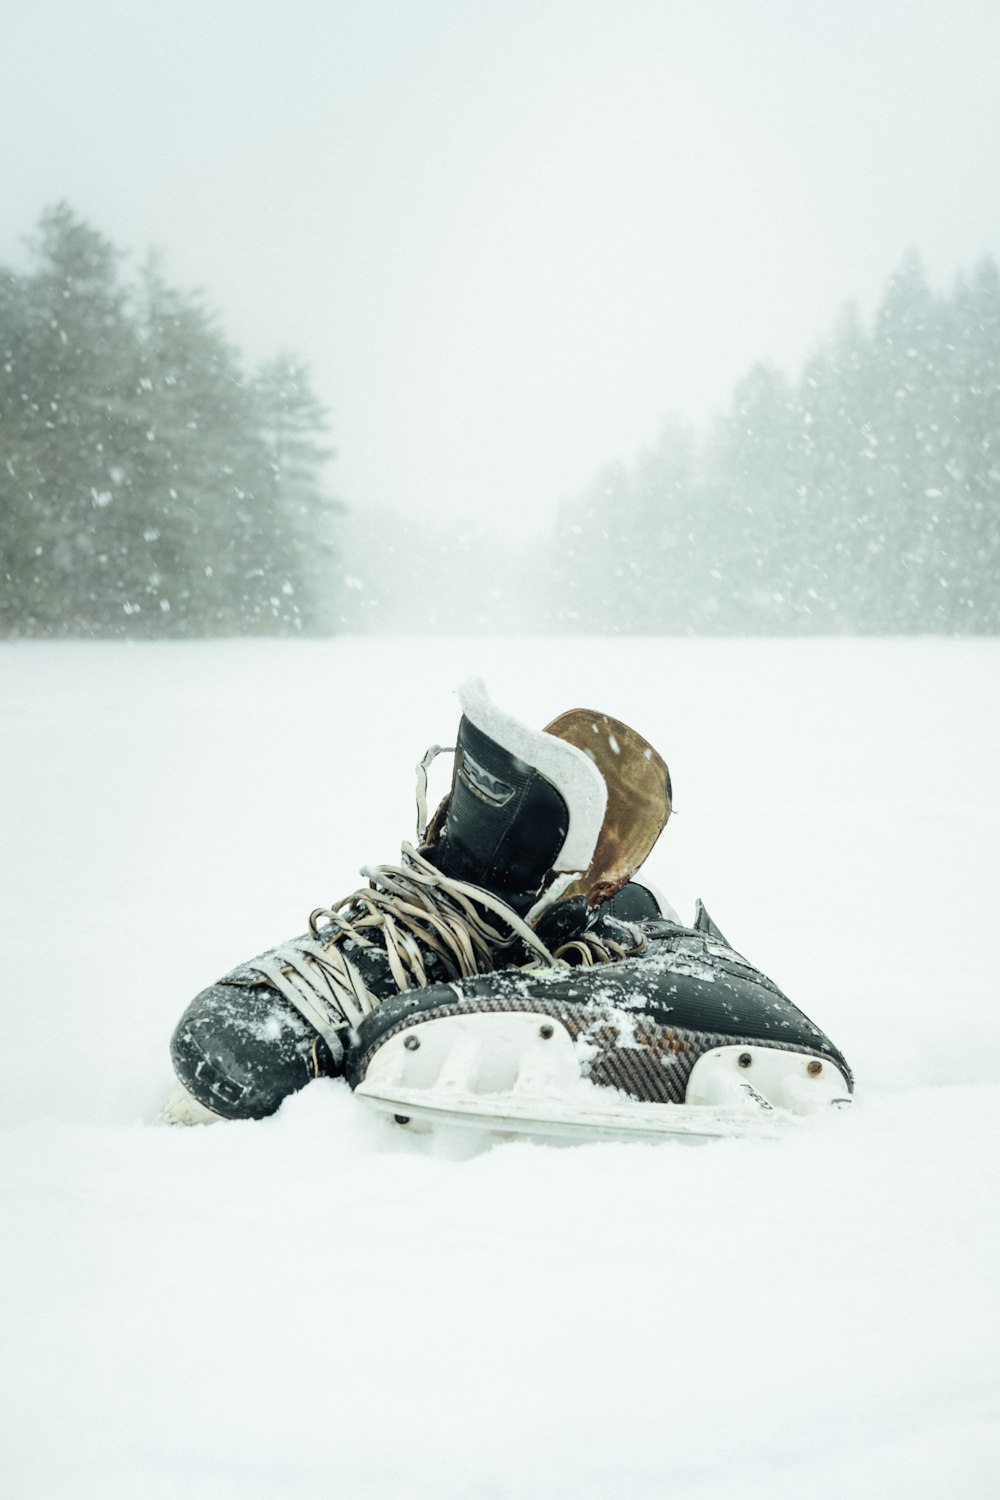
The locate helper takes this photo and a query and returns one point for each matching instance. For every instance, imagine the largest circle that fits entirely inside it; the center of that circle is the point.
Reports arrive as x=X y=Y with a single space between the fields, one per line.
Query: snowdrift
x=317 y=1304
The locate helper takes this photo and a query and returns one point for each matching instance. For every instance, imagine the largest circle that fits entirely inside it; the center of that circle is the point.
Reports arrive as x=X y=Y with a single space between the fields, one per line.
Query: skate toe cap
x=240 y=1049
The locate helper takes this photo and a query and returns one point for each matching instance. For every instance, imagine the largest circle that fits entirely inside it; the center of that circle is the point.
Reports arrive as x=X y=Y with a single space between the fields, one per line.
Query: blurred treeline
x=149 y=485
x=864 y=497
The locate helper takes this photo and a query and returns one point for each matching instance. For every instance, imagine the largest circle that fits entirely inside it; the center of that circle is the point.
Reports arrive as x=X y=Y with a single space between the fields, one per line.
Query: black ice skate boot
x=515 y=837
x=674 y=1033
x=680 y=1035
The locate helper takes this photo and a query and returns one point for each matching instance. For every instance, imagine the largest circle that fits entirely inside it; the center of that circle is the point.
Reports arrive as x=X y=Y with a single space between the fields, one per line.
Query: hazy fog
x=511 y=238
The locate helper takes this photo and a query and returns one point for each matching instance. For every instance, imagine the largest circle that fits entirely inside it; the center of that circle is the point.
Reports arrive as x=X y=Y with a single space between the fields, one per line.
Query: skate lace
x=589 y=949
x=409 y=912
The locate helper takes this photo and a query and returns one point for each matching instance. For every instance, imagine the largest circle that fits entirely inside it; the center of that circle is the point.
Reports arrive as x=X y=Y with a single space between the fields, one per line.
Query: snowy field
x=319 y=1305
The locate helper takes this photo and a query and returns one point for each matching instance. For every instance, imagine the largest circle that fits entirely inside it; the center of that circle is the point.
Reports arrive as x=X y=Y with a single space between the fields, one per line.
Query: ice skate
x=504 y=875
x=684 y=1037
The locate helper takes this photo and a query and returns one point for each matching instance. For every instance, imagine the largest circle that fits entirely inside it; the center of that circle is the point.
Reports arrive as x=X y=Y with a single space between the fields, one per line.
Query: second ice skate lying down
x=511 y=972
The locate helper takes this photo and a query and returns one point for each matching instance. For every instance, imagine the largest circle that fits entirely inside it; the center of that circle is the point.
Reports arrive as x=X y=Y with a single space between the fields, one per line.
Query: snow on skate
x=512 y=974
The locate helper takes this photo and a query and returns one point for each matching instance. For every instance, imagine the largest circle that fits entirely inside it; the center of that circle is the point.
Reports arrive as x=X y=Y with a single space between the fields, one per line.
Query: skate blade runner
x=513 y=972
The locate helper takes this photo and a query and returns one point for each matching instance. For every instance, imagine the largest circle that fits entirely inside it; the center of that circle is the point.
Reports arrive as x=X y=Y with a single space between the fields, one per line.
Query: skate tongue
x=524 y=808
x=639 y=798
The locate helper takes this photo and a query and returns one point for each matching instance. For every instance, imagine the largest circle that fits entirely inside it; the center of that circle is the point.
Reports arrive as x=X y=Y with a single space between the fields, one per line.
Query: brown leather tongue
x=639 y=798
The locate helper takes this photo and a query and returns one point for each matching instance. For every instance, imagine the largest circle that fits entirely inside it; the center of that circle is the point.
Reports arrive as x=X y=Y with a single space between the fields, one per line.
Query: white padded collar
x=571 y=772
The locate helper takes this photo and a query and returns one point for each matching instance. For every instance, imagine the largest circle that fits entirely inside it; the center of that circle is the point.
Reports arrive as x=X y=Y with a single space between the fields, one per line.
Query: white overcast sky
x=511 y=236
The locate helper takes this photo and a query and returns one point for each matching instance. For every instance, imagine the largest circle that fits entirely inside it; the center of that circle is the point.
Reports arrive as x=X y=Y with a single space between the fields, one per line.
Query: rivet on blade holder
x=411 y=1043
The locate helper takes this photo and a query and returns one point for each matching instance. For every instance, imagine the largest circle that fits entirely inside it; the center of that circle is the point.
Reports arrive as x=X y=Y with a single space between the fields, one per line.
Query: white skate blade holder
x=519 y=1072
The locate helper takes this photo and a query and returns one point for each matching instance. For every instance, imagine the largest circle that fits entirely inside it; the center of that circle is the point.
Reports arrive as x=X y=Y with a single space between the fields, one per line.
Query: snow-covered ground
x=320 y=1305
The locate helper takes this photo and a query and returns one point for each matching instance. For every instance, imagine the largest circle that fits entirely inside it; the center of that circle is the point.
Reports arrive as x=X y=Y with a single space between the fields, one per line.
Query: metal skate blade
x=569 y=1119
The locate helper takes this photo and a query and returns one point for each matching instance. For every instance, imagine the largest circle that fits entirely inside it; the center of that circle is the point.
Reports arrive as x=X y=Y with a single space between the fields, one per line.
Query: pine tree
x=658 y=537
x=148 y=485
x=753 y=508
x=291 y=422
x=864 y=498
x=970 y=497
x=906 y=352
x=64 y=397
x=202 y=461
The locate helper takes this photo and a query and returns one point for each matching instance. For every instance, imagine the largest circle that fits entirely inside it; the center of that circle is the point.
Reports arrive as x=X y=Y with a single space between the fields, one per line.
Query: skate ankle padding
x=640 y=797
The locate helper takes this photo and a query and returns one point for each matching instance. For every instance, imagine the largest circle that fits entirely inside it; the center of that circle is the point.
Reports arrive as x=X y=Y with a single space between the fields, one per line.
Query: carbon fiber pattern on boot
x=617 y=1050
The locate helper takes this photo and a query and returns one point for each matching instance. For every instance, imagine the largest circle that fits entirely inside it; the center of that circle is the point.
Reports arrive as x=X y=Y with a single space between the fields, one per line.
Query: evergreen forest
x=863 y=497
x=150 y=485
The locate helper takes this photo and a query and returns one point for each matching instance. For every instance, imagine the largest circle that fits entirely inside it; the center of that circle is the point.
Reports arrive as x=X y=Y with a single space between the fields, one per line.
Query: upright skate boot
x=512 y=846
x=641 y=1026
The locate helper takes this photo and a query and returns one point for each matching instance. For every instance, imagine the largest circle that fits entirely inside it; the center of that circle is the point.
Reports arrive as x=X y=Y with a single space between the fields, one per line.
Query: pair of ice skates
x=511 y=973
